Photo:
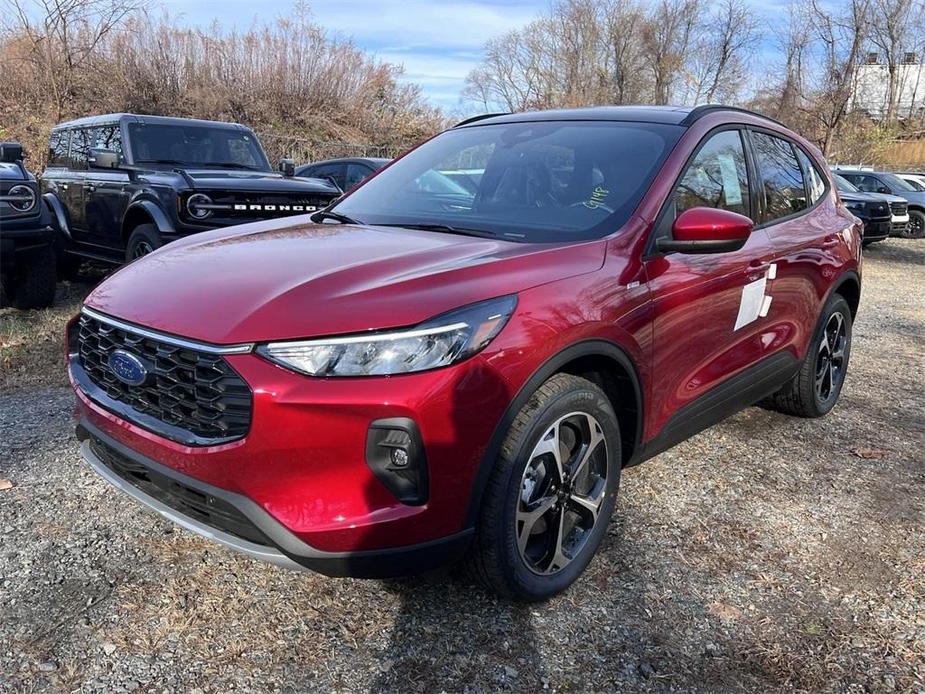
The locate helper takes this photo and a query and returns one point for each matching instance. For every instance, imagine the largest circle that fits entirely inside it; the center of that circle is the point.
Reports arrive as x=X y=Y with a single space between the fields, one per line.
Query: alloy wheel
x=915 y=230
x=561 y=493
x=141 y=248
x=830 y=360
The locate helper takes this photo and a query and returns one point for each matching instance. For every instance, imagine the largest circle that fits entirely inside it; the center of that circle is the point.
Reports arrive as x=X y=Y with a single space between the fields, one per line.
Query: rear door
x=799 y=215
x=702 y=337
x=71 y=187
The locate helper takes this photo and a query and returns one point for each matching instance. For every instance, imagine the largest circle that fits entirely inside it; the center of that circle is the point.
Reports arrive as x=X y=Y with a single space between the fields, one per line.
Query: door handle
x=756 y=269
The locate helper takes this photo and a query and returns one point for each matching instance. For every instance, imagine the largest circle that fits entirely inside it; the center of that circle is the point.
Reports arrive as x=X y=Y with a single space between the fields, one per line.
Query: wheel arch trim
x=152 y=211
x=594 y=347
x=59 y=212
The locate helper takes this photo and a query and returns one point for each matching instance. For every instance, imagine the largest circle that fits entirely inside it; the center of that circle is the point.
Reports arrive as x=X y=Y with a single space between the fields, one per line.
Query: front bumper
x=877 y=230
x=22 y=235
x=238 y=523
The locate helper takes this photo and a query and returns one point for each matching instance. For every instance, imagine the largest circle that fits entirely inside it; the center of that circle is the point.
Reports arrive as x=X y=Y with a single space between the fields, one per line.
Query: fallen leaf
x=5 y=484
x=870 y=453
x=725 y=612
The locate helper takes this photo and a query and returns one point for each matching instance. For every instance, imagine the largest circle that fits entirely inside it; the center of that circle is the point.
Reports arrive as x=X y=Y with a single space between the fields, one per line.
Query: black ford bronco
x=27 y=259
x=121 y=185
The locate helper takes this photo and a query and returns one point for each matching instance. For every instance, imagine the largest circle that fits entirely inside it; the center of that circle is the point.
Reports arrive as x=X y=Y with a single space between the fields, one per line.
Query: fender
x=153 y=210
x=58 y=212
x=847 y=275
x=593 y=347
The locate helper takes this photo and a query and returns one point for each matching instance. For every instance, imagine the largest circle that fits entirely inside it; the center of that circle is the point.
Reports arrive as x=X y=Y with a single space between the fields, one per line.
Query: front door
x=105 y=196
x=708 y=308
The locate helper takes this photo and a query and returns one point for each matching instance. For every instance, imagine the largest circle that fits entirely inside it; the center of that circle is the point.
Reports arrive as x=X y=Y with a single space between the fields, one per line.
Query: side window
x=868 y=184
x=57 y=147
x=784 y=190
x=80 y=149
x=356 y=173
x=717 y=177
x=106 y=137
x=328 y=171
x=815 y=180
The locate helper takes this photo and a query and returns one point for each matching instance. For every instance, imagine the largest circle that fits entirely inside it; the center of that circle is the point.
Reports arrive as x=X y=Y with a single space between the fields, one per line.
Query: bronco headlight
x=441 y=341
x=198 y=206
x=21 y=198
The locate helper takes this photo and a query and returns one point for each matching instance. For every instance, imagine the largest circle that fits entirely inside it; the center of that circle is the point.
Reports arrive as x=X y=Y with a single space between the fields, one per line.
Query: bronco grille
x=899 y=208
x=195 y=394
x=198 y=505
x=227 y=204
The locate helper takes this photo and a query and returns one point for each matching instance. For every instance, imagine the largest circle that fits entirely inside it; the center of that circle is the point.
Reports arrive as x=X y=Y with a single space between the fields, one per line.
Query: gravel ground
x=766 y=554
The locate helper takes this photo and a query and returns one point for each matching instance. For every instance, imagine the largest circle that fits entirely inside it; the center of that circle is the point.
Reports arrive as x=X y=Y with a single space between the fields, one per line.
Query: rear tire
x=143 y=240
x=549 y=499
x=816 y=387
x=33 y=282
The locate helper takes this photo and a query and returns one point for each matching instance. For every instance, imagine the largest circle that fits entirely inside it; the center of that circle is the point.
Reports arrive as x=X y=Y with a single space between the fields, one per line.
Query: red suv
x=427 y=372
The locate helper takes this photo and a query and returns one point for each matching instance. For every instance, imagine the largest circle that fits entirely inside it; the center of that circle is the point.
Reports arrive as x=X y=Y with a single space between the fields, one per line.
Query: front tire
x=32 y=284
x=143 y=240
x=916 y=228
x=551 y=495
x=816 y=387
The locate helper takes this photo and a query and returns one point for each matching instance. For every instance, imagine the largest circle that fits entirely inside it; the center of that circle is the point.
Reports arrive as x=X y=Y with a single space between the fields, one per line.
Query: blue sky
x=437 y=42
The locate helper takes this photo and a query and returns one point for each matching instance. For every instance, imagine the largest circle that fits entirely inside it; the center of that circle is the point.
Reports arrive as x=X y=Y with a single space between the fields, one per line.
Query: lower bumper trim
x=288 y=551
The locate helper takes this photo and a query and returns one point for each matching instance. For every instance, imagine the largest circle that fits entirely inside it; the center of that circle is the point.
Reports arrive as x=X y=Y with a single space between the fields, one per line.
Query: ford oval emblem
x=127 y=367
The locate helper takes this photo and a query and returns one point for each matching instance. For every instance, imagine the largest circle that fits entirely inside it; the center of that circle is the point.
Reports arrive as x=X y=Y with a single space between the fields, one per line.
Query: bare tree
x=893 y=33
x=666 y=41
x=732 y=34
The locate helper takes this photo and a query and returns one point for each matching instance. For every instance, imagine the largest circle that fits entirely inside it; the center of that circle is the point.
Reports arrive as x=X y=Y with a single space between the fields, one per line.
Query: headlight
x=196 y=205
x=21 y=198
x=441 y=341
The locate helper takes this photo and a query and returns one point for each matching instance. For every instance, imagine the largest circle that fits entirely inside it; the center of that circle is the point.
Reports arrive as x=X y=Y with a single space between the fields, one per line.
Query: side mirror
x=10 y=152
x=707 y=230
x=287 y=167
x=104 y=159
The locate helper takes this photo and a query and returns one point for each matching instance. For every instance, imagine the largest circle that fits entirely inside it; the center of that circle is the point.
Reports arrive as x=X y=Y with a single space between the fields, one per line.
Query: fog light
x=395 y=453
x=400 y=457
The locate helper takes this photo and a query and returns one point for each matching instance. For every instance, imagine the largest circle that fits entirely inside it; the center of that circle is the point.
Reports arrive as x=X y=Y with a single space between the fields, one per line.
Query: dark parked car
x=27 y=258
x=422 y=377
x=120 y=186
x=871 y=209
x=880 y=182
x=347 y=173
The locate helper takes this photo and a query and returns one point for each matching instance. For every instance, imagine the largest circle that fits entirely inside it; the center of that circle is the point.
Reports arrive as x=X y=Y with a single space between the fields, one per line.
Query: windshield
x=196 y=145
x=845 y=186
x=896 y=183
x=536 y=182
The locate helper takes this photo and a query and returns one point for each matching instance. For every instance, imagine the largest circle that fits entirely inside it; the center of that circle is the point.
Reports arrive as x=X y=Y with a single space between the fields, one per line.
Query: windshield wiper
x=230 y=165
x=327 y=214
x=446 y=229
x=161 y=161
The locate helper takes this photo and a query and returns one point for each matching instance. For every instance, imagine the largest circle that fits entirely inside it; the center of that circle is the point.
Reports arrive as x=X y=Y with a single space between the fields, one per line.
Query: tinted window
x=327 y=171
x=540 y=181
x=57 y=147
x=815 y=180
x=717 y=177
x=106 y=137
x=80 y=148
x=784 y=191
x=356 y=174
x=866 y=184
x=196 y=145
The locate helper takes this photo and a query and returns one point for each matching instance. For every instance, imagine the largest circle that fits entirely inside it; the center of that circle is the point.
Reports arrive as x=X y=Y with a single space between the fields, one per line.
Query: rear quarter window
x=57 y=147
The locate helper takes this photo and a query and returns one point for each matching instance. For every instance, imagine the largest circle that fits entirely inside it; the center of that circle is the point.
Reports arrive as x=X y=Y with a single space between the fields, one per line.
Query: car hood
x=882 y=196
x=258 y=181
x=11 y=172
x=278 y=280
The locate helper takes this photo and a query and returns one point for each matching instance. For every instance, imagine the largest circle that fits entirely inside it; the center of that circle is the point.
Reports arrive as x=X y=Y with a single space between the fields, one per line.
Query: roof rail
x=483 y=116
x=699 y=112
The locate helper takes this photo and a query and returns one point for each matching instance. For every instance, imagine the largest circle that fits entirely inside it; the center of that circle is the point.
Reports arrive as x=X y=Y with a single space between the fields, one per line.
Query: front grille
x=254 y=206
x=205 y=508
x=186 y=389
x=899 y=209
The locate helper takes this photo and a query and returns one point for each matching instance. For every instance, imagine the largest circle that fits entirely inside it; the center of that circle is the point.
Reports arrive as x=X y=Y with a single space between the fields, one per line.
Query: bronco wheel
x=143 y=240
x=33 y=282
x=814 y=391
x=552 y=493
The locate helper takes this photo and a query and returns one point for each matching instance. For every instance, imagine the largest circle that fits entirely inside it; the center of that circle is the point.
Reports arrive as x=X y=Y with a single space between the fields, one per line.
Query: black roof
x=671 y=115
x=135 y=118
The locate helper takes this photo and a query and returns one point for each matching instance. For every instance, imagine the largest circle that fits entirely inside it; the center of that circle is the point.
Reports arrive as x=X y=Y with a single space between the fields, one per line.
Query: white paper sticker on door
x=752 y=300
